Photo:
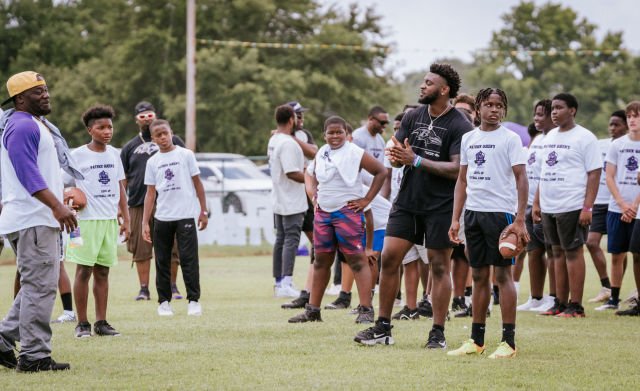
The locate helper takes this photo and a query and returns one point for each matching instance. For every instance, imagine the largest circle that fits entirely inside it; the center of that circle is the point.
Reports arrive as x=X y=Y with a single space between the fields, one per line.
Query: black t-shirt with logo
x=134 y=156
x=422 y=192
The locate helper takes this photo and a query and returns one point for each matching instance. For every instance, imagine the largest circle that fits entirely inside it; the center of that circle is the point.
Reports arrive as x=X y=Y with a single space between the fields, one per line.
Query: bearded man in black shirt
x=427 y=145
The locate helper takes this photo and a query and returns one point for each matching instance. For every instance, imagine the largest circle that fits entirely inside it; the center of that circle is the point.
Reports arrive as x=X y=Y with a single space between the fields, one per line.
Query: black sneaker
x=343 y=301
x=102 y=327
x=309 y=315
x=633 y=310
x=458 y=304
x=44 y=364
x=436 y=340
x=298 y=302
x=355 y=311
x=143 y=295
x=376 y=334
x=406 y=314
x=8 y=359
x=425 y=309
x=83 y=330
x=365 y=315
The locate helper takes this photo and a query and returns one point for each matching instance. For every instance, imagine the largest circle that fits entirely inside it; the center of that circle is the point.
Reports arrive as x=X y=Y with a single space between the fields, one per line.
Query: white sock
x=287 y=281
x=70 y=313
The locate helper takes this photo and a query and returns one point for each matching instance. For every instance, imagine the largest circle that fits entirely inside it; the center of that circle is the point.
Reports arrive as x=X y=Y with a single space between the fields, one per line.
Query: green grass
x=243 y=341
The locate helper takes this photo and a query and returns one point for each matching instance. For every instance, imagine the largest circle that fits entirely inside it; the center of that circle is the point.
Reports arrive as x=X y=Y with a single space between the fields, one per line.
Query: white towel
x=346 y=160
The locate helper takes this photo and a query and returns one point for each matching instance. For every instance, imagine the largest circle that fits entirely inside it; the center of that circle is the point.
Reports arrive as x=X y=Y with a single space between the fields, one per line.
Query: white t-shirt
x=489 y=157
x=567 y=158
x=603 y=191
x=533 y=166
x=396 y=174
x=373 y=145
x=625 y=154
x=102 y=172
x=172 y=174
x=285 y=156
x=334 y=193
x=380 y=208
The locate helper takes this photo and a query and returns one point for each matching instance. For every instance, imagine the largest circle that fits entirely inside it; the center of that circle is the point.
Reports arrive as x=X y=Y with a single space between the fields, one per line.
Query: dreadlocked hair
x=485 y=93
x=447 y=72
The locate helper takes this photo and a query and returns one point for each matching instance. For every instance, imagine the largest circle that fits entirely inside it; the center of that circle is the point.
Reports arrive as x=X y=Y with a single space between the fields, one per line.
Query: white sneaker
x=164 y=309
x=632 y=297
x=527 y=305
x=334 y=290
x=398 y=303
x=67 y=316
x=291 y=291
x=602 y=296
x=546 y=303
x=194 y=308
x=609 y=305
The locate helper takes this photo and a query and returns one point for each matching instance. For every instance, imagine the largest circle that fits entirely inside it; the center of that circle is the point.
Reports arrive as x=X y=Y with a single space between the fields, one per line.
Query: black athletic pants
x=186 y=234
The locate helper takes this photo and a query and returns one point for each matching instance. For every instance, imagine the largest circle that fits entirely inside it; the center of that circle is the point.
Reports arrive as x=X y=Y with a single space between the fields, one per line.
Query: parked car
x=232 y=178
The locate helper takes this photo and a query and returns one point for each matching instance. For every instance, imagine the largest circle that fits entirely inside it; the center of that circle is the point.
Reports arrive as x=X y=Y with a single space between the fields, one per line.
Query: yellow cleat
x=467 y=348
x=503 y=351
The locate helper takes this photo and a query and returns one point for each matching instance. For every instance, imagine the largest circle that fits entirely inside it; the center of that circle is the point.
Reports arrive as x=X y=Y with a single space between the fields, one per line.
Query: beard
x=428 y=99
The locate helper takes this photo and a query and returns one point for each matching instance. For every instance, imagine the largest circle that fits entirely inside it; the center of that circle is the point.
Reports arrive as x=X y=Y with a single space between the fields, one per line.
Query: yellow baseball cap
x=21 y=82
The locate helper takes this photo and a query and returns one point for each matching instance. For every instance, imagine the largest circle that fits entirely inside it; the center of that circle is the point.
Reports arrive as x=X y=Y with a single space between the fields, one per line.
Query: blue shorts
x=619 y=233
x=378 y=240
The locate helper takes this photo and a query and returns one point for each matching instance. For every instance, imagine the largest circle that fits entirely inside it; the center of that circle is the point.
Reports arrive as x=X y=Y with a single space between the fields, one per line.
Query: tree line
x=119 y=52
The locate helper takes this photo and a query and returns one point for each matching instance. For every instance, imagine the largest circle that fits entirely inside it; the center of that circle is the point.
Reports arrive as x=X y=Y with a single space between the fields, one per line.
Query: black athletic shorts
x=458 y=253
x=307 y=223
x=564 y=229
x=634 y=244
x=430 y=230
x=599 y=219
x=536 y=233
x=482 y=230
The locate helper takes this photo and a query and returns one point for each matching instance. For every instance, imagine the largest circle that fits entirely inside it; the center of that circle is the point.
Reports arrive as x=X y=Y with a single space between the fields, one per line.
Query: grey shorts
x=564 y=229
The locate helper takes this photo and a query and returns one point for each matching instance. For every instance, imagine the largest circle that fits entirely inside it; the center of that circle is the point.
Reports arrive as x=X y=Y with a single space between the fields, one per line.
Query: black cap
x=143 y=106
x=297 y=107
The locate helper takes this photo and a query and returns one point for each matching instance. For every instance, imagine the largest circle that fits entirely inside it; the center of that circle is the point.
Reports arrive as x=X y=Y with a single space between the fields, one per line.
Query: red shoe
x=574 y=310
x=555 y=310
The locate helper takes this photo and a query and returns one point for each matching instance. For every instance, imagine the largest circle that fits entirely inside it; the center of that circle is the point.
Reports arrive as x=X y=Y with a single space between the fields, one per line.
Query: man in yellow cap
x=31 y=154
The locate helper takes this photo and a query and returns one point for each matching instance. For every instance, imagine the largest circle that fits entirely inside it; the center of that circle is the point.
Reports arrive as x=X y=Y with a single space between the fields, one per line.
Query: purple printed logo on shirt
x=532 y=158
x=632 y=163
x=168 y=174
x=480 y=159
x=552 y=160
x=103 y=177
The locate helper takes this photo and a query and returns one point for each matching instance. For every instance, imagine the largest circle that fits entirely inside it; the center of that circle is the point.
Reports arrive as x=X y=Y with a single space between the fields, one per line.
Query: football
x=509 y=245
x=75 y=198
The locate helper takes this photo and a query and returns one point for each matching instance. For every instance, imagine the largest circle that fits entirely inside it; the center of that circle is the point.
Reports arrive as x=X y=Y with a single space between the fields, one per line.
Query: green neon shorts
x=100 y=244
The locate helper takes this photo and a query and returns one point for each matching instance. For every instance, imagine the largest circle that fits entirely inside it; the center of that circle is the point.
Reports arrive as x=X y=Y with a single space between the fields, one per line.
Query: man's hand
x=146 y=232
x=66 y=217
x=203 y=220
x=371 y=256
x=401 y=153
x=519 y=228
x=536 y=213
x=358 y=205
x=629 y=212
x=454 y=232
x=125 y=230
x=585 y=217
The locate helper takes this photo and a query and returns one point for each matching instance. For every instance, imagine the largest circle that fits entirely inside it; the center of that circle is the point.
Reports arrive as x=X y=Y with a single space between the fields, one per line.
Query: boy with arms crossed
x=174 y=176
x=103 y=185
x=492 y=172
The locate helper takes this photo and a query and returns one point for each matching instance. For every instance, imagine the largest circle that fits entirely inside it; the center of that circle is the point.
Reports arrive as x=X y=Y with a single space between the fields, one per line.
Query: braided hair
x=546 y=106
x=484 y=95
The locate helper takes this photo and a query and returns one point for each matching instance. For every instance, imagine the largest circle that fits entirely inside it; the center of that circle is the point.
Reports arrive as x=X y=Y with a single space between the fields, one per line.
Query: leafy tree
x=544 y=50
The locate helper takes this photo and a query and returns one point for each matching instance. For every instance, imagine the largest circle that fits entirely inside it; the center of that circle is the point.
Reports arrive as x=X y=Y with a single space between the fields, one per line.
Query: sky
x=422 y=31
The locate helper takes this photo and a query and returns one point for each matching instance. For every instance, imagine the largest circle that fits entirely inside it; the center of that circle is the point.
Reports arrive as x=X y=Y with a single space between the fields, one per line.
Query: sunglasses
x=143 y=116
x=382 y=123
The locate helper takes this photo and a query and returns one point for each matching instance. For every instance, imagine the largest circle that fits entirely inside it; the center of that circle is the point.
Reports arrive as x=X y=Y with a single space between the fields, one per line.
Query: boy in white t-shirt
x=622 y=220
x=569 y=176
x=492 y=178
x=173 y=175
x=598 y=227
x=103 y=186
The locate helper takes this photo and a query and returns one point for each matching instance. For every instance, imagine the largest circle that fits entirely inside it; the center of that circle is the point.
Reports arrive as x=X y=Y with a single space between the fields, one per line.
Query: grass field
x=243 y=341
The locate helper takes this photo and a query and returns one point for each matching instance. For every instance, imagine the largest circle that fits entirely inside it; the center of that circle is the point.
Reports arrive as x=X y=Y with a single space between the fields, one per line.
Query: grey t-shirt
x=373 y=145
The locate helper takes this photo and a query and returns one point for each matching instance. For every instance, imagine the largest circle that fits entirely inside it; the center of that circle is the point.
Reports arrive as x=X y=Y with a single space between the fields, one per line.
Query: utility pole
x=190 y=109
